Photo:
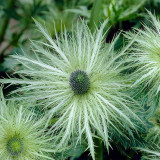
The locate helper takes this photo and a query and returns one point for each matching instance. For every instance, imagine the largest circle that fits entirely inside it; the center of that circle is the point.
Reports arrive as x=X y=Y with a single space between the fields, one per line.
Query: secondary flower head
x=21 y=136
x=77 y=78
x=152 y=152
x=145 y=56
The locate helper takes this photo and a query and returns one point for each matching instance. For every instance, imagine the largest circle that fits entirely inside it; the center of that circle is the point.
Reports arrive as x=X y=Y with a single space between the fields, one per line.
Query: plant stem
x=98 y=149
x=95 y=14
x=5 y=20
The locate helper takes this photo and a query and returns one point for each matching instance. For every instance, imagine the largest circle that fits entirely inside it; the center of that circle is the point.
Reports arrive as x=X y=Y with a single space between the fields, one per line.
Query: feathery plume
x=22 y=137
x=77 y=78
x=145 y=57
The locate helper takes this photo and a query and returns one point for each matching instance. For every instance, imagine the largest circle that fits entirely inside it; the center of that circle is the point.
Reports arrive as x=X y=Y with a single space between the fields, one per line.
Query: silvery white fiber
x=78 y=80
x=22 y=137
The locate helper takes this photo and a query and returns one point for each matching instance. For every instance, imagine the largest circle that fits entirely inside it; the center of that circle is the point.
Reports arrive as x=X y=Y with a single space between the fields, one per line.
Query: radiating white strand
x=57 y=108
x=39 y=63
x=107 y=114
x=96 y=46
x=88 y=132
x=95 y=119
x=68 y=127
x=122 y=52
x=144 y=76
x=57 y=49
x=116 y=109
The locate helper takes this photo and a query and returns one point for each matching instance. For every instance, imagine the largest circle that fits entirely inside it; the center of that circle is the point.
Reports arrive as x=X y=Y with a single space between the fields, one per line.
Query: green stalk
x=5 y=20
x=98 y=149
x=95 y=14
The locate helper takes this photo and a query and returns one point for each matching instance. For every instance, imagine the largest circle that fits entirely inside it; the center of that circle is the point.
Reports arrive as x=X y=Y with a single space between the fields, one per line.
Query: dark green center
x=79 y=82
x=15 y=146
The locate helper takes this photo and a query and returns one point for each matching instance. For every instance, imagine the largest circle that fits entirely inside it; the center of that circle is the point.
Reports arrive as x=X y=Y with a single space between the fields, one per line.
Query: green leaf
x=95 y=14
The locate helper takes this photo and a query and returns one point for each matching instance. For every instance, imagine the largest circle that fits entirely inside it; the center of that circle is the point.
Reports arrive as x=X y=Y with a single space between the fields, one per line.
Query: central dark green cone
x=15 y=146
x=79 y=82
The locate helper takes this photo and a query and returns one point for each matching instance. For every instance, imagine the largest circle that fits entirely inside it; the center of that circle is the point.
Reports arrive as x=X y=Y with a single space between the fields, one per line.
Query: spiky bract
x=21 y=136
x=152 y=152
x=102 y=108
x=145 y=56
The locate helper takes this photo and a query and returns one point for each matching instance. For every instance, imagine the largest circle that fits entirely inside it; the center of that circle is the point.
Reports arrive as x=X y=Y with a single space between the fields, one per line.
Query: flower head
x=21 y=136
x=145 y=56
x=77 y=78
